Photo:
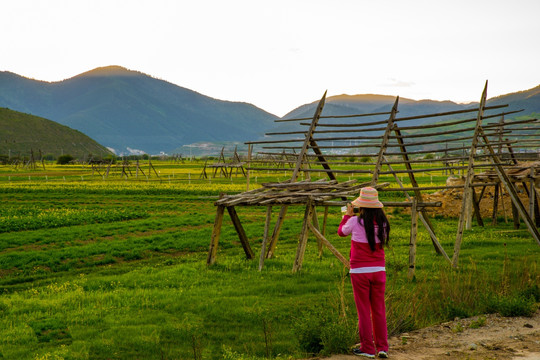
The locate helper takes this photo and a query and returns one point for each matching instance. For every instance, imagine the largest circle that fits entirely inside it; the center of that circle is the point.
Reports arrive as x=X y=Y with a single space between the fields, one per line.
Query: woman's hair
x=368 y=217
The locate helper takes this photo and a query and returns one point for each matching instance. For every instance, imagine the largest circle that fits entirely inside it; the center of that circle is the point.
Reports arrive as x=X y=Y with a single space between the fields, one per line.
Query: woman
x=370 y=229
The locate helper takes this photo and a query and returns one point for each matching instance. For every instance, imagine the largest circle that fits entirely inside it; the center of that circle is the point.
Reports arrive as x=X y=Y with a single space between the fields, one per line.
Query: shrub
x=510 y=306
x=324 y=331
x=365 y=159
x=64 y=159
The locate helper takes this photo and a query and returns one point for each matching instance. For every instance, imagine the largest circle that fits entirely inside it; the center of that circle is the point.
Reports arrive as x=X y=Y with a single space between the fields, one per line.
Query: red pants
x=369 y=298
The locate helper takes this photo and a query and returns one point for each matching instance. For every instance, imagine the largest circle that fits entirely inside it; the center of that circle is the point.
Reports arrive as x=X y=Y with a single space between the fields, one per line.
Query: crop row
x=19 y=219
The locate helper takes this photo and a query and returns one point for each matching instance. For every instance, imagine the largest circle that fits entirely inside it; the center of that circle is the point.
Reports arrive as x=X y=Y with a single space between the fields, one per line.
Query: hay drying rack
x=490 y=149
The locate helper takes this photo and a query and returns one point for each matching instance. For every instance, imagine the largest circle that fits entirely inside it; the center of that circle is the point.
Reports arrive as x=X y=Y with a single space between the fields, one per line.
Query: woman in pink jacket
x=370 y=230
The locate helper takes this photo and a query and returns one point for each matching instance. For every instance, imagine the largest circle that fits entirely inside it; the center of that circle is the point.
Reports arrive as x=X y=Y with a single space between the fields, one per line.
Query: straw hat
x=369 y=198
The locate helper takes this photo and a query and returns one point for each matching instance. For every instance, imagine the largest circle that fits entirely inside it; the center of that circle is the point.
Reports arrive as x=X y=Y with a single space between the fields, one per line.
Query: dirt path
x=498 y=338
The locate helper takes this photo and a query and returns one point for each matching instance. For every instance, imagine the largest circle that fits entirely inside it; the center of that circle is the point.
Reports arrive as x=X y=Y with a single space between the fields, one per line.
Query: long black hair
x=368 y=217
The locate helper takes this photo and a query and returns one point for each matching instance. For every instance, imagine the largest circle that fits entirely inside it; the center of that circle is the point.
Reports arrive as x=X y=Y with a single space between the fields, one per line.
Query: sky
x=280 y=54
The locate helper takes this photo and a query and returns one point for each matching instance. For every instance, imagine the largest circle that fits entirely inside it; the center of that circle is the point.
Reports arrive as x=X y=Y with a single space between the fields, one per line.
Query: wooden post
x=495 y=205
x=324 y=220
x=308 y=139
x=468 y=210
x=468 y=179
x=515 y=216
x=412 y=239
x=418 y=195
x=476 y=204
x=384 y=144
x=327 y=243
x=510 y=188
x=302 y=242
x=216 y=232
x=532 y=193
x=265 y=237
x=425 y=220
x=240 y=231
x=315 y=222
x=277 y=230
x=503 y=205
x=249 y=165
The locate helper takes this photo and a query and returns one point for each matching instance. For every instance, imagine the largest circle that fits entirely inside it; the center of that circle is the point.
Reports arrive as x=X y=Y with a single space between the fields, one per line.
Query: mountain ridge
x=127 y=109
x=121 y=108
x=22 y=133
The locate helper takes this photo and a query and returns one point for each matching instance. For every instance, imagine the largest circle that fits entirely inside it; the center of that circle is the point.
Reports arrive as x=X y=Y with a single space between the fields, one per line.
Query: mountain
x=124 y=109
x=22 y=133
x=528 y=100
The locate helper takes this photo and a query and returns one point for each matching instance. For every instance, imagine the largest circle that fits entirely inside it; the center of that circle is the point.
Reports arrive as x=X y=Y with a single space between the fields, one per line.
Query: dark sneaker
x=383 y=354
x=359 y=352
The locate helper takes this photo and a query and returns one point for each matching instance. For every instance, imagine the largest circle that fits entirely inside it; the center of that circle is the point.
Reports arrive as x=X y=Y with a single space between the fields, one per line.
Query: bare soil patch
x=497 y=339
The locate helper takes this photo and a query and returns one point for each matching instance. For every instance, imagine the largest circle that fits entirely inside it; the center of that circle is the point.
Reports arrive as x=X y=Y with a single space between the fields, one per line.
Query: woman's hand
x=350 y=210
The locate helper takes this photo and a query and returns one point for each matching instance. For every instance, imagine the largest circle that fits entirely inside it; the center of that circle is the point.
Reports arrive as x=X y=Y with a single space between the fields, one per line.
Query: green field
x=95 y=267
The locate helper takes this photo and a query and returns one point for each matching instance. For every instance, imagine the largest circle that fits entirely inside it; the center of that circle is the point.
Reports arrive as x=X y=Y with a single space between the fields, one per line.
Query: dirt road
x=490 y=337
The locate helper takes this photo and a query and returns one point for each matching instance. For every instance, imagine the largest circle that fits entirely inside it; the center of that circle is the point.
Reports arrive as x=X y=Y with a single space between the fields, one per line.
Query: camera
x=356 y=210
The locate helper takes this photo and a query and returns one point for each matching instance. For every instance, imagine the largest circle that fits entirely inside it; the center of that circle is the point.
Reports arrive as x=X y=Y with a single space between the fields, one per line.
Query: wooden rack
x=490 y=146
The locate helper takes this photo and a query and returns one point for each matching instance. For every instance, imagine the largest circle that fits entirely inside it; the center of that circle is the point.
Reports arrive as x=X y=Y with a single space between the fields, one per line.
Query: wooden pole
x=308 y=139
x=384 y=144
x=503 y=205
x=425 y=220
x=216 y=232
x=495 y=205
x=302 y=242
x=315 y=222
x=515 y=216
x=327 y=243
x=412 y=239
x=476 y=205
x=240 y=231
x=324 y=220
x=265 y=237
x=510 y=188
x=277 y=230
x=249 y=162
x=468 y=180
x=532 y=193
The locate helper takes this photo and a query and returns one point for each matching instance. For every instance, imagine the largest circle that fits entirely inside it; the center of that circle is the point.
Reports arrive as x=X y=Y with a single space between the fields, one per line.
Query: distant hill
x=528 y=100
x=124 y=109
x=21 y=133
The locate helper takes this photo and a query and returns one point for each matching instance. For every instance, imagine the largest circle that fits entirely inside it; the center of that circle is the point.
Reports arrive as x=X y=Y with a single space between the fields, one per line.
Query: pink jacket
x=361 y=254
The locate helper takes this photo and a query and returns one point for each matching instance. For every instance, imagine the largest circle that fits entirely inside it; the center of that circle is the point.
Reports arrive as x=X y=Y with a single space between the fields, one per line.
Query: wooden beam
x=216 y=232
x=412 y=240
x=327 y=243
x=315 y=223
x=495 y=204
x=265 y=236
x=240 y=231
x=302 y=242
x=384 y=143
x=467 y=189
x=277 y=230
x=476 y=206
x=309 y=137
x=324 y=220
x=425 y=220
x=510 y=188
x=283 y=211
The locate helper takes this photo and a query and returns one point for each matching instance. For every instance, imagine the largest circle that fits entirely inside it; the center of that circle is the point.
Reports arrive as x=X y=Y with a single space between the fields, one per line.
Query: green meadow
x=95 y=267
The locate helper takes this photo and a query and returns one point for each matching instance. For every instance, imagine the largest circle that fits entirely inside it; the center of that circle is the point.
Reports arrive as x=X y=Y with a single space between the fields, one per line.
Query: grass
x=123 y=275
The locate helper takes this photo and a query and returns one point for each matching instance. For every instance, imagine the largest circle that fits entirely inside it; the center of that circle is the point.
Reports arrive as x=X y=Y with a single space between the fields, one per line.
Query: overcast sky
x=280 y=54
